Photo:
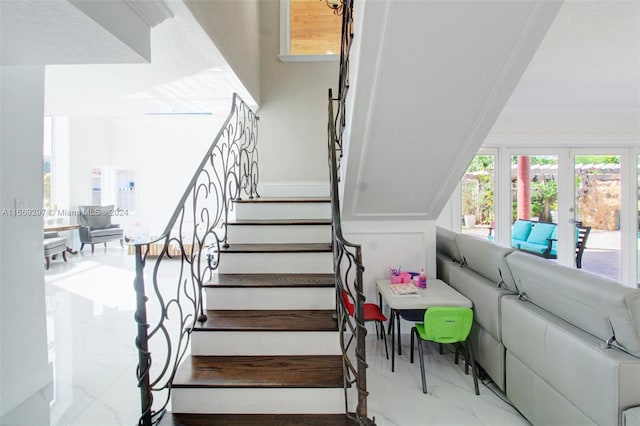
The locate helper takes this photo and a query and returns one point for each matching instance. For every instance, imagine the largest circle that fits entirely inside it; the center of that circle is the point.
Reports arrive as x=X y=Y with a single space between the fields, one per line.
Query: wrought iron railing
x=348 y=268
x=343 y=77
x=347 y=257
x=171 y=302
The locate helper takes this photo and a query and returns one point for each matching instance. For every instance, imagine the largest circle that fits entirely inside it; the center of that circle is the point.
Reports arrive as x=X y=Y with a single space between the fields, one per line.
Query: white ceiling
x=36 y=32
x=584 y=78
x=590 y=58
x=186 y=74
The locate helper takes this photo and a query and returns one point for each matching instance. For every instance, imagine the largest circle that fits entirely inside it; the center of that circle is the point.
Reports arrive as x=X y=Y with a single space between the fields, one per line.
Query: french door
x=603 y=198
x=594 y=188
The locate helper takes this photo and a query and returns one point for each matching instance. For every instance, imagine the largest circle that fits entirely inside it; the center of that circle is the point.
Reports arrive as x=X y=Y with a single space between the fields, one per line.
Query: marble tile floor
x=91 y=332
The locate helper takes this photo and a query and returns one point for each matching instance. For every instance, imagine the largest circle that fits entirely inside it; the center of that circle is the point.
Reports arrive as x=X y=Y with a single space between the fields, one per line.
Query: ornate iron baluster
x=343 y=78
x=347 y=262
x=187 y=254
x=347 y=256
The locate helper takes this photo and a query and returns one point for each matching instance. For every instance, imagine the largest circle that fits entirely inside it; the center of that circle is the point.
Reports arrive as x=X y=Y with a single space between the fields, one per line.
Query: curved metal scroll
x=347 y=256
x=170 y=291
x=348 y=268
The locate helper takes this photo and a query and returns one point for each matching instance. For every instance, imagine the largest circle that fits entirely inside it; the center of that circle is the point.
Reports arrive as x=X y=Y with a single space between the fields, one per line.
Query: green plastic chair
x=446 y=325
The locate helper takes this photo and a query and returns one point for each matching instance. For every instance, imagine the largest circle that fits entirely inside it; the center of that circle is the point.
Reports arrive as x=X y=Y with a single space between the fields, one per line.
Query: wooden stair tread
x=264 y=200
x=278 y=248
x=178 y=419
x=289 y=371
x=272 y=222
x=271 y=280
x=269 y=320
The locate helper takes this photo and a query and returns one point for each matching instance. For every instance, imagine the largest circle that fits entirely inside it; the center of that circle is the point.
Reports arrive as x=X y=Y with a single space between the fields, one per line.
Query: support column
x=25 y=372
x=524 y=187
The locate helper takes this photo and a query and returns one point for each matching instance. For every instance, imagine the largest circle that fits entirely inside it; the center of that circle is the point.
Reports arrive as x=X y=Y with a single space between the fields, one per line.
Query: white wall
x=233 y=27
x=293 y=109
x=88 y=147
x=24 y=367
x=406 y=244
x=163 y=152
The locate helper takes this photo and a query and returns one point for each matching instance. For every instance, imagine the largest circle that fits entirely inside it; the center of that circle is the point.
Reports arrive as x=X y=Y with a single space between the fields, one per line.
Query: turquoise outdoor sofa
x=541 y=238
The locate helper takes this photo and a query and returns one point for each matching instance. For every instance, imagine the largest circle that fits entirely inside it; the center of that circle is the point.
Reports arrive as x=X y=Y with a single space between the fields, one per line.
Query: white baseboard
x=27 y=387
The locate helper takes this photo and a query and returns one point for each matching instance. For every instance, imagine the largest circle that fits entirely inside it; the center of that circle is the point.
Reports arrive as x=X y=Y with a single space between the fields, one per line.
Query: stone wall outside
x=599 y=203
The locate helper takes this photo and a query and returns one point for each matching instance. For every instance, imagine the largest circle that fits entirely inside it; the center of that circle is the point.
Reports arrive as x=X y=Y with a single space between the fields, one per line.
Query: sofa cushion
x=108 y=232
x=487 y=259
x=485 y=296
x=521 y=229
x=443 y=265
x=597 y=305
x=541 y=233
x=566 y=358
x=446 y=244
x=532 y=247
x=54 y=245
x=95 y=217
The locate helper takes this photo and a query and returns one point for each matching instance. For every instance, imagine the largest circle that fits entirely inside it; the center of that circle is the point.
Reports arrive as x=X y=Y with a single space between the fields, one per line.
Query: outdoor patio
x=601 y=257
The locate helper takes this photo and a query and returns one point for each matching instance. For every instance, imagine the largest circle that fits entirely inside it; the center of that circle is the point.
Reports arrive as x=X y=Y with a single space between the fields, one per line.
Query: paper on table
x=406 y=289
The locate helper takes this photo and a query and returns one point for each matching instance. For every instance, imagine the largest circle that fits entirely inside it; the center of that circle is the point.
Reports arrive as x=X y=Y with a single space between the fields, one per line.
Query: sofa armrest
x=547 y=251
x=114 y=225
x=631 y=416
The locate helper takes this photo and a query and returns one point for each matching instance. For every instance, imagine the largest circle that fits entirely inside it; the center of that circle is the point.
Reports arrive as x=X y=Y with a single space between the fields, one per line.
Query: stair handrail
x=193 y=236
x=348 y=269
x=347 y=257
x=346 y=41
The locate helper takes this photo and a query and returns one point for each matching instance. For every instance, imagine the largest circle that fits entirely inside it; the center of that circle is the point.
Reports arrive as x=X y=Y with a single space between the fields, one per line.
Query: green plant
x=544 y=199
x=478 y=189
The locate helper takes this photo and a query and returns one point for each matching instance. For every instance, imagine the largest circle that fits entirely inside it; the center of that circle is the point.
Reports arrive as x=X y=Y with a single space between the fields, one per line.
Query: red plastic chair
x=372 y=312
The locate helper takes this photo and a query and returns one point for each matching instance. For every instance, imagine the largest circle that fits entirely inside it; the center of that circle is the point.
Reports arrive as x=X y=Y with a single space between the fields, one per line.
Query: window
x=477 y=191
x=309 y=31
x=55 y=169
x=588 y=187
x=114 y=185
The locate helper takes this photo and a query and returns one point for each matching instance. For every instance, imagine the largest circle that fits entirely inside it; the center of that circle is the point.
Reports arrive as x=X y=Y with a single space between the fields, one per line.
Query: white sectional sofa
x=563 y=344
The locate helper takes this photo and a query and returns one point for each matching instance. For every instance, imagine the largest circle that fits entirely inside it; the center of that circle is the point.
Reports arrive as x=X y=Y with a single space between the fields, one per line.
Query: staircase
x=269 y=352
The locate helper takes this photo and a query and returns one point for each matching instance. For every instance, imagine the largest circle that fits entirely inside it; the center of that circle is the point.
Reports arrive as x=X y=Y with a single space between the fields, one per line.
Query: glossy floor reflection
x=90 y=307
x=396 y=399
x=91 y=332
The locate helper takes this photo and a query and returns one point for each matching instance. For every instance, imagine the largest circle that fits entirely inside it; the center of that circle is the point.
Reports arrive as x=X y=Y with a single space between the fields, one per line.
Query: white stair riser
x=248 y=234
x=258 y=400
x=238 y=263
x=282 y=210
x=271 y=298
x=265 y=343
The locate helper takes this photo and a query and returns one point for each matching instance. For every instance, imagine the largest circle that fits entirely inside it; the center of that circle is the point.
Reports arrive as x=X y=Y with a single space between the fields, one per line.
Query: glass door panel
x=597 y=205
x=478 y=197
x=534 y=187
x=534 y=201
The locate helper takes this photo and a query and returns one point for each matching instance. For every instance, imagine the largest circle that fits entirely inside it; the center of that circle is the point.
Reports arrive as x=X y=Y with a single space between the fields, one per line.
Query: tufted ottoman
x=54 y=246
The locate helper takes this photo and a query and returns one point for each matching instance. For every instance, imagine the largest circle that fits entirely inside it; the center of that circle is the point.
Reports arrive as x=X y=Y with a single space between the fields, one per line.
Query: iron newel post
x=144 y=357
